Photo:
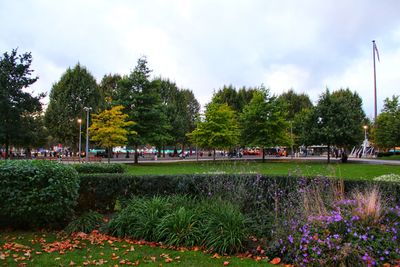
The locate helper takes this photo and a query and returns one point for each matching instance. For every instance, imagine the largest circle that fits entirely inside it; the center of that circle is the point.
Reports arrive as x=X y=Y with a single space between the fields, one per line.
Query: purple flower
x=290 y=237
x=364 y=237
x=336 y=236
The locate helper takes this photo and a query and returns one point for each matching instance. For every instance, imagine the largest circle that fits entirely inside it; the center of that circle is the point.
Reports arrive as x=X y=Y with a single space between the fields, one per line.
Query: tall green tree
x=76 y=89
x=181 y=109
x=16 y=106
x=387 y=125
x=218 y=130
x=143 y=104
x=337 y=120
x=109 y=128
x=263 y=122
x=294 y=103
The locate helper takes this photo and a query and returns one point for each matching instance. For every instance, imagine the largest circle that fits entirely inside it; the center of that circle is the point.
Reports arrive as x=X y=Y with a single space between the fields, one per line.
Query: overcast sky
x=202 y=45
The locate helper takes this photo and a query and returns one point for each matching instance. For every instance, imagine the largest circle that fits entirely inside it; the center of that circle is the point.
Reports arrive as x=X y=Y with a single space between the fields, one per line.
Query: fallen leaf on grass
x=168 y=260
x=226 y=263
x=275 y=261
x=216 y=256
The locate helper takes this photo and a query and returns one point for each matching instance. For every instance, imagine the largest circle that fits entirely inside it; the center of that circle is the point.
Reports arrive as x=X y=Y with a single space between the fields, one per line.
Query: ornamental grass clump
x=182 y=227
x=140 y=218
x=369 y=205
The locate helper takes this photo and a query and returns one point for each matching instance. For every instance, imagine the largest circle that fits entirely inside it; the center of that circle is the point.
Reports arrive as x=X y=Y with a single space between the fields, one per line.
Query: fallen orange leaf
x=275 y=261
x=216 y=256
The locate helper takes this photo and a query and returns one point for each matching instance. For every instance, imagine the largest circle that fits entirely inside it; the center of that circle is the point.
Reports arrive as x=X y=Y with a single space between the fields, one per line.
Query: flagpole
x=375 y=108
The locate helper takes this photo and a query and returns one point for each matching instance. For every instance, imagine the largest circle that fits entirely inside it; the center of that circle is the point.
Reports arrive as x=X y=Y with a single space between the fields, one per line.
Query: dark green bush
x=252 y=192
x=86 y=223
x=100 y=168
x=101 y=191
x=37 y=193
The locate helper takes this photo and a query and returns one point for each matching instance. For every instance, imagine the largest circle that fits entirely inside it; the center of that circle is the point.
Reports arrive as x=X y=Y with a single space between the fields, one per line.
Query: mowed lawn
x=295 y=168
x=51 y=249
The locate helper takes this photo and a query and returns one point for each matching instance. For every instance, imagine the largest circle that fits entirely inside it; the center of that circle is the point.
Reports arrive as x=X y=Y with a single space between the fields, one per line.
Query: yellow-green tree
x=108 y=128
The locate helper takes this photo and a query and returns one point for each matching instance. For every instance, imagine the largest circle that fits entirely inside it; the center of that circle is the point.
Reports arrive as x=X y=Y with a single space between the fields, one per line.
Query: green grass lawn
x=33 y=249
x=348 y=170
x=394 y=157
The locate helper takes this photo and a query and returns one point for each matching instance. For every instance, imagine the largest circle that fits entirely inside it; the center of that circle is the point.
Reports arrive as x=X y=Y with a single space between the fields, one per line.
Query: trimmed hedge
x=37 y=193
x=101 y=191
x=100 y=168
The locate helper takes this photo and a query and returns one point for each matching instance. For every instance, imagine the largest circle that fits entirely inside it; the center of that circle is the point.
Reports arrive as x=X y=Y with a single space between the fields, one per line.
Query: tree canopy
x=181 y=108
x=108 y=128
x=218 y=130
x=17 y=108
x=387 y=125
x=336 y=120
x=236 y=99
x=143 y=105
x=76 y=89
x=263 y=122
x=294 y=103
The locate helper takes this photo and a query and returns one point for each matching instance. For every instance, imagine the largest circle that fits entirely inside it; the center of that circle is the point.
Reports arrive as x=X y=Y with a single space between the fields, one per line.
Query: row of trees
x=137 y=110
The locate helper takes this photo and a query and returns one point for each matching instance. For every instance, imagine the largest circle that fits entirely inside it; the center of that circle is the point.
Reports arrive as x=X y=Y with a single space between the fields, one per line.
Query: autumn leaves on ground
x=80 y=249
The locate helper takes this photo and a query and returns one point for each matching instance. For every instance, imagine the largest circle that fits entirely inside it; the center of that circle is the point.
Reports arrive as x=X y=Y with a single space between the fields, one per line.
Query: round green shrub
x=37 y=193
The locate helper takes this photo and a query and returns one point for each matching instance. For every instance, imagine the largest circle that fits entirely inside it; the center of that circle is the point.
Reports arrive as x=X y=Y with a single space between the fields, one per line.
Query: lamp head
x=79 y=121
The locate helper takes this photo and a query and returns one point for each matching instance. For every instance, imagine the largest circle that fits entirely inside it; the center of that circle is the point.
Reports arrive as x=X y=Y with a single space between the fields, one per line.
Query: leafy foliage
x=85 y=223
x=140 y=218
x=225 y=228
x=76 y=89
x=387 y=128
x=108 y=128
x=263 y=122
x=181 y=227
x=294 y=103
x=336 y=120
x=236 y=99
x=218 y=130
x=37 y=193
x=17 y=108
x=100 y=168
x=181 y=109
x=143 y=104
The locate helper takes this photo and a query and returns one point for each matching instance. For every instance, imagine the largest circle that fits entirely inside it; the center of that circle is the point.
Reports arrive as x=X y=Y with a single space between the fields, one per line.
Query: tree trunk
x=214 y=155
x=109 y=154
x=7 y=148
x=329 y=154
x=28 y=154
x=183 y=151
x=263 y=154
x=163 y=149
x=136 y=154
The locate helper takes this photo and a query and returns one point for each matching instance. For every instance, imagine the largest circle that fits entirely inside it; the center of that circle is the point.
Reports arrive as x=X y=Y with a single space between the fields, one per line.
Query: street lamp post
x=80 y=138
x=365 y=140
x=87 y=109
